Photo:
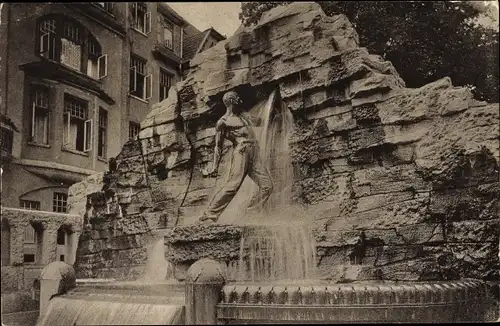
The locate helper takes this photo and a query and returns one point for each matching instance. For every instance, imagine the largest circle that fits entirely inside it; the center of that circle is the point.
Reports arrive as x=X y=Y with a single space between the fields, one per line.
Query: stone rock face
x=403 y=183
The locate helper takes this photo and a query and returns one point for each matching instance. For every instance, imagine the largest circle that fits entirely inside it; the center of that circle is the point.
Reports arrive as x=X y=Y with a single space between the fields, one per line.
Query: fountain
x=381 y=211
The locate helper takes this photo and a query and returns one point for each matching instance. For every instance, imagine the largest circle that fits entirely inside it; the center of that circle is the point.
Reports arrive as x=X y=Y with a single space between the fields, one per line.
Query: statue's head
x=231 y=100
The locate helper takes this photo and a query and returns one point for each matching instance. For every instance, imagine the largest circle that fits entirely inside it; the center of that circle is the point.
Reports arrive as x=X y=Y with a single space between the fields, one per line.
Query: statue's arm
x=219 y=142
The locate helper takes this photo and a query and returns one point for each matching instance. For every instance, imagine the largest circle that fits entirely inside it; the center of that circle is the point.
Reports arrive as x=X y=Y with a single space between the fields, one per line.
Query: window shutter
x=66 y=136
x=46 y=127
x=87 y=136
x=44 y=43
x=29 y=234
x=147 y=23
x=133 y=14
x=102 y=66
x=134 y=79
x=148 y=87
x=159 y=30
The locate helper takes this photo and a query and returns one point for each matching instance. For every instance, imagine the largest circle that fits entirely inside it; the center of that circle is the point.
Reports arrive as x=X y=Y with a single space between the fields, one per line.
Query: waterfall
x=157 y=268
x=279 y=243
x=273 y=138
x=276 y=153
x=283 y=252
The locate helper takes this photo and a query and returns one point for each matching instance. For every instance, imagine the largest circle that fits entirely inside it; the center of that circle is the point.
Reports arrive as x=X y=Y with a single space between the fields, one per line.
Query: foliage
x=425 y=40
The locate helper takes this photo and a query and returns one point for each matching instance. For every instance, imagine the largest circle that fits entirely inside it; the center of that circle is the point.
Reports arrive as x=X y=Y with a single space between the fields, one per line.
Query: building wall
x=141 y=44
x=19 y=42
x=3 y=55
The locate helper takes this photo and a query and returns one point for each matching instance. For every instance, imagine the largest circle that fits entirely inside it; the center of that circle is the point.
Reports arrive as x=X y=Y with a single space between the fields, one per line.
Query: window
x=29 y=234
x=29 y=258
x=39 y=115
x=6 y=139
x=133 y=130
x=77 y=128
x=165 y=83
x=102 y=133
x=166 y=30
x=108 y=6
x=64 y=40
x=31 y=205
x=140 y=83
x=59 y=202
x=61 y=237
x=97 y=63
x=61 y=257
x=141 y=18
x=47 y=39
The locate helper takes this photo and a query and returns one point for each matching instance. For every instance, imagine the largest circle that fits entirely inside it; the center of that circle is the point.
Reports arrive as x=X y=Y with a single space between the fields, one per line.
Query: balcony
x=54 y=71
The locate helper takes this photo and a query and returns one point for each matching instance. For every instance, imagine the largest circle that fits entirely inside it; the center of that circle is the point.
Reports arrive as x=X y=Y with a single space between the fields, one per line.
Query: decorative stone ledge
x=190 y=243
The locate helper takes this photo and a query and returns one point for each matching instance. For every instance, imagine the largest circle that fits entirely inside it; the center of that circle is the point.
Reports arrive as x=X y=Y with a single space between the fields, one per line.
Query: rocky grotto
x=402 y=184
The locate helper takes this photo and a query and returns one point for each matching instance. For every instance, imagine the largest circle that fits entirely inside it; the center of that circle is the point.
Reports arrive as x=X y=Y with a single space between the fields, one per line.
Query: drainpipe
x=182 y=44
x=6 y=59
x=95 y=140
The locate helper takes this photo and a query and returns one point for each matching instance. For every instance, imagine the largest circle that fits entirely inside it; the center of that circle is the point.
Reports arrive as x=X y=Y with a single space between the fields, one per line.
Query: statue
x=245 y=160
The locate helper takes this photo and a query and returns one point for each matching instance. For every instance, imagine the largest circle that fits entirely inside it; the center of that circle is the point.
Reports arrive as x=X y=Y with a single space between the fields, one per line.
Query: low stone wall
x=21 y=318
x=18 y=278
x=18 y=219
x=18 y=302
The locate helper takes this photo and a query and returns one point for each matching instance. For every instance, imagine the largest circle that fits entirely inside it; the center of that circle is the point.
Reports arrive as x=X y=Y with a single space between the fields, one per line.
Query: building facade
x=76 y=81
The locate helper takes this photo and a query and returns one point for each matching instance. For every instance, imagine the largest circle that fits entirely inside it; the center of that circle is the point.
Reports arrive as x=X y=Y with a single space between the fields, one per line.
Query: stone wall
x=403 y=183
x=17 y=277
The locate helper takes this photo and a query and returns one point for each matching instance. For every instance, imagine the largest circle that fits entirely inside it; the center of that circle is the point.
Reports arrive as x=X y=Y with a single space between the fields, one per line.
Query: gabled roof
x=194 y=40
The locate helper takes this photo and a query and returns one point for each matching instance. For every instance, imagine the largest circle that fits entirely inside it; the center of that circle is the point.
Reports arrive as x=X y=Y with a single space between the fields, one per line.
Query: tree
x=425 y=40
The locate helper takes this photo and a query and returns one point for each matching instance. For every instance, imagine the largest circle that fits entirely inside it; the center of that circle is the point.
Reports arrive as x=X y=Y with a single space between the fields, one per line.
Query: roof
x=194 y=39
x=6 y=120
x=191 y=42
x=217 y=35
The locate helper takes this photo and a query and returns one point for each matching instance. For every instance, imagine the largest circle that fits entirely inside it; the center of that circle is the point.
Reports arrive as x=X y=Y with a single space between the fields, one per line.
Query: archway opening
x=65 y=244
x=33 y=243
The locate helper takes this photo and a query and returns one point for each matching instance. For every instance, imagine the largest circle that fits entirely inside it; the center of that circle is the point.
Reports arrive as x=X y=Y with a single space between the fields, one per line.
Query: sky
x=223 y=16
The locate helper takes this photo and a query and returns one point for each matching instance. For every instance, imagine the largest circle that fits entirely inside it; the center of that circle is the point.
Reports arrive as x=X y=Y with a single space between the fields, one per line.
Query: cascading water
x=116 y=304
x=279 y=243
x=157 y=267
x=277 y=253
x=140 y=302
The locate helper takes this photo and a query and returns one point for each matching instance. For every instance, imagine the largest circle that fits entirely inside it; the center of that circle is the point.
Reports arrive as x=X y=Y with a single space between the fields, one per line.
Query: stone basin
x=359 y=302
x=111 y=302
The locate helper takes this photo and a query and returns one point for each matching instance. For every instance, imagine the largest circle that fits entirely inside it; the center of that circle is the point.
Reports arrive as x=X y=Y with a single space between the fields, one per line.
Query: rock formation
x=403 y=183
